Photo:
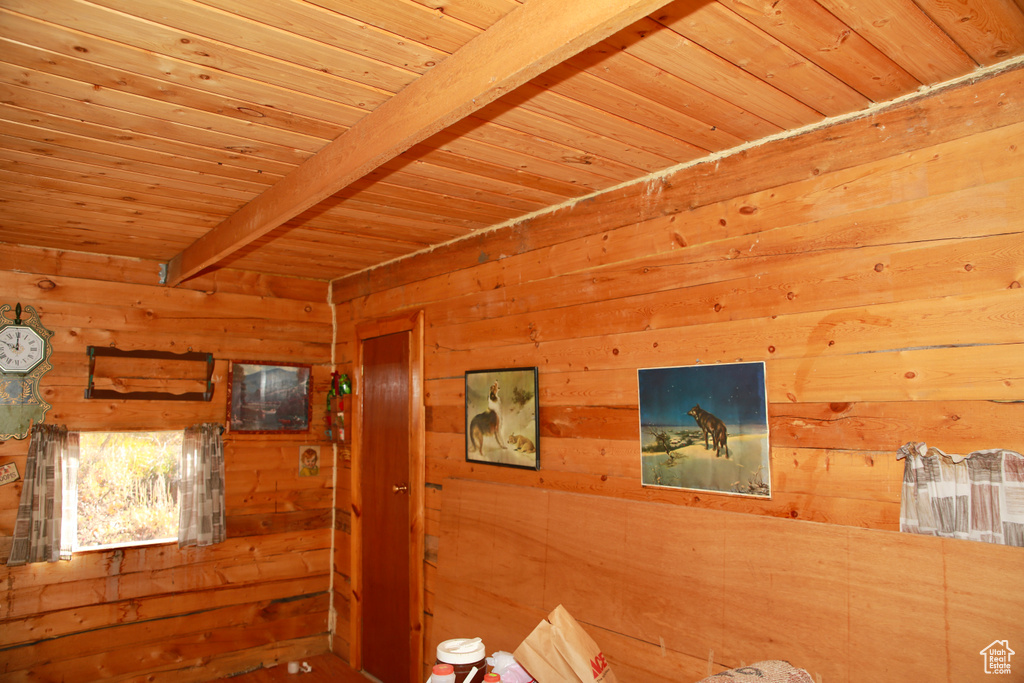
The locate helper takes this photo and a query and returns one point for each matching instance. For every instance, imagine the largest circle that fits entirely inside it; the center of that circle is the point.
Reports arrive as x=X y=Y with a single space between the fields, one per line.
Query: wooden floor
x=326 y=668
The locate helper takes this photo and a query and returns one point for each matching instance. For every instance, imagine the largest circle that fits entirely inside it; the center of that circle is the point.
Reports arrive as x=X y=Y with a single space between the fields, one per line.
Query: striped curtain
x=47 y=521
x=979 y=497
x=201 y=500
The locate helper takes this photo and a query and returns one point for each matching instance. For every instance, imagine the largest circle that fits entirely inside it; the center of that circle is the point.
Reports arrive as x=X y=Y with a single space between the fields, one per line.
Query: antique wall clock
x=24 y=359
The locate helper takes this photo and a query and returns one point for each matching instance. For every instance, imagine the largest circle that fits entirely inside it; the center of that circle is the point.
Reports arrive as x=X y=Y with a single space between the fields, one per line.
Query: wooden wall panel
x=873 y=265
x=669 y=592
x=156 y=611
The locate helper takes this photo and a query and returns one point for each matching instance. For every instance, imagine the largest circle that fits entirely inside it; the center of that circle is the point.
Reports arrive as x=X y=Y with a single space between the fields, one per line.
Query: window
x=127 y=487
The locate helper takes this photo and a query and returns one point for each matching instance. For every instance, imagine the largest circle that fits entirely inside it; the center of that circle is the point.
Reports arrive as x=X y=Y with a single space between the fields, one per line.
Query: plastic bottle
x=442 y=673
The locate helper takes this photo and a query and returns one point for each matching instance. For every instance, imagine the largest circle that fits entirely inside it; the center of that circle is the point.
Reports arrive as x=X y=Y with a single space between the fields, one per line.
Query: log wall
x=874 y=265
x=670 y=592
x=159 y=612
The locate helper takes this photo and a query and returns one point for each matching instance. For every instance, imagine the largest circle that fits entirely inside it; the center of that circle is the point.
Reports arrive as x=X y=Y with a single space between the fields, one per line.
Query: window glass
x=127 y=487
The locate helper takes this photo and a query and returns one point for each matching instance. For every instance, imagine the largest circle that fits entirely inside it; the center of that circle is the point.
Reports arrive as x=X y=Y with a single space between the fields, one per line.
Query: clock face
x=21 y=349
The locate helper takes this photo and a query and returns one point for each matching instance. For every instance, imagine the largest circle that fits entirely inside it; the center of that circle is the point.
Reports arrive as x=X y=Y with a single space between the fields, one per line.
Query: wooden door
x=385 y=487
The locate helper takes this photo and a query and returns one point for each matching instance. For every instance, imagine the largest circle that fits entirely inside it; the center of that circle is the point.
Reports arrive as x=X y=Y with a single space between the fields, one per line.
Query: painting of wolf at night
x=705 y=427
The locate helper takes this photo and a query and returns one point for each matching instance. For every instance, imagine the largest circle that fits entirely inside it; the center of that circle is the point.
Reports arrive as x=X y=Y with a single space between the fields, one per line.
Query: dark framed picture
x=266 y=398
x=501 y=417
x=705 y=427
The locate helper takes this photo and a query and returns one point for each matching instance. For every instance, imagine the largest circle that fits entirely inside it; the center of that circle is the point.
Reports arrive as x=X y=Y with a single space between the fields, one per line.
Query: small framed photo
x=309 y=460
x=501 y=417
x=265 y=398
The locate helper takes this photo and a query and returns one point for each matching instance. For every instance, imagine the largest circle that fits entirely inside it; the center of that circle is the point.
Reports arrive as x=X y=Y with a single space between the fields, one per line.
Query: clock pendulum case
x=24 y=359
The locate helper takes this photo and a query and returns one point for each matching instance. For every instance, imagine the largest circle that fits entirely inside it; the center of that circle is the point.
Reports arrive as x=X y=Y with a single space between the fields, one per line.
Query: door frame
x=412 y=323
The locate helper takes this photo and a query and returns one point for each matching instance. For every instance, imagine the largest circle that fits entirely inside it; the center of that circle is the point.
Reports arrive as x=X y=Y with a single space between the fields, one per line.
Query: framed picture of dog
x=501 y=417
x=705 y=427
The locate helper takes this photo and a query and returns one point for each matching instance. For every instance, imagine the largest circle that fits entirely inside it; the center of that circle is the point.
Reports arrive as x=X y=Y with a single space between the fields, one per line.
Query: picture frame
x=269 y=398
x=502 y=426
x=705 y=428
x=309 y=460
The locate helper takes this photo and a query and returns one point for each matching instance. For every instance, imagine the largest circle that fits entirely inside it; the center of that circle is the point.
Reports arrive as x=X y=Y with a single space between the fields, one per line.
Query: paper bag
x=560 y=651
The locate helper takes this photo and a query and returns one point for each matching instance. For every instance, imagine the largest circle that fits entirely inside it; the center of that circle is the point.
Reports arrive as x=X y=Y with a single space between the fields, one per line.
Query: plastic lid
x=443 y=669
x=492 y=678
x=461 y=651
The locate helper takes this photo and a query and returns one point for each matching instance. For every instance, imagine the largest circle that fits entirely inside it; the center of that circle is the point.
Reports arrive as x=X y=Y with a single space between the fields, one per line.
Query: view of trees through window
x=127 y=487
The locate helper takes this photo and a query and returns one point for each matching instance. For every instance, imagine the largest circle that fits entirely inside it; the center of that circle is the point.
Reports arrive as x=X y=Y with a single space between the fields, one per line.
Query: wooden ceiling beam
x=523 y=44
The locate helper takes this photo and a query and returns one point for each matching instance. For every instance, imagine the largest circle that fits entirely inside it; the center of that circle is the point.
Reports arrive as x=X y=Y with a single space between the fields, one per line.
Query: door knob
x=399 y=488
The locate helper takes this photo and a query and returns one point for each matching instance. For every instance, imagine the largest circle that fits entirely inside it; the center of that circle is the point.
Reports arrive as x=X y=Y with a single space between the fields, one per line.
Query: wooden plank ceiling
x=136 y=127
